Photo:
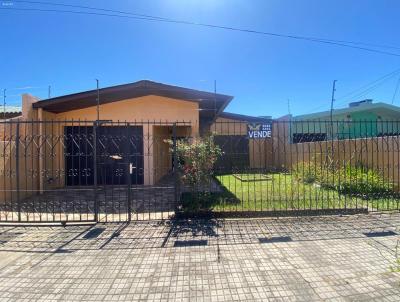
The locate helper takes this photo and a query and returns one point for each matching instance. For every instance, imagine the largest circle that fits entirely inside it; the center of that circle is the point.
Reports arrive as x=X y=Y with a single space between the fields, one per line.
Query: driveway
x=328 y=258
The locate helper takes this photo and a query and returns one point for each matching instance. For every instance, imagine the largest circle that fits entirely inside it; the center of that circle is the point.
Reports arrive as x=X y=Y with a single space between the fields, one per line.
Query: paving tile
x=328 y=258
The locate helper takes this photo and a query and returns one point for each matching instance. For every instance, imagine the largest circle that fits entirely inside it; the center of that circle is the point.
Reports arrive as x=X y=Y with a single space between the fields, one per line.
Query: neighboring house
x=9 y=112
x=360 y=119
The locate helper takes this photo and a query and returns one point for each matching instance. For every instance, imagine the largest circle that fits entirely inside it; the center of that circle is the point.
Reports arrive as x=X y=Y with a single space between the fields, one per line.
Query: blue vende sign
x=259 y=130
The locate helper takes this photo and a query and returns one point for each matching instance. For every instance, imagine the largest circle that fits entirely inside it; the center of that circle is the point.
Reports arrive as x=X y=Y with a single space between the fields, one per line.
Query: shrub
x=312 y=172
x=196 y=159
x=306 y=172
x=348 y=179
x=362 y=180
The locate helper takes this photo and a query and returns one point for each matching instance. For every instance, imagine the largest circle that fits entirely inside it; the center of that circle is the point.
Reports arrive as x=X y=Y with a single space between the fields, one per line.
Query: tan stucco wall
x=225 y=126
x=147 y=108
x=28 y=155
x=378 y=153
x=260 y=150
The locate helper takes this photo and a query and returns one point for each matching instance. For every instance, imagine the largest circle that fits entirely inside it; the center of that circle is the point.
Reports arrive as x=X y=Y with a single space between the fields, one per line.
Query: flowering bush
x=196 y=159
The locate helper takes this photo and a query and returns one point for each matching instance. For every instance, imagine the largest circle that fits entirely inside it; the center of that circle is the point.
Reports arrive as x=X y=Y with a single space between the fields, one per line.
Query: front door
x=119 y=154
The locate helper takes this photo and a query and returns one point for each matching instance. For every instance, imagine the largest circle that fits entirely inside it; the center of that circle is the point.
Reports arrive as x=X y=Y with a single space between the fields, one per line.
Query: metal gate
x=80 y=171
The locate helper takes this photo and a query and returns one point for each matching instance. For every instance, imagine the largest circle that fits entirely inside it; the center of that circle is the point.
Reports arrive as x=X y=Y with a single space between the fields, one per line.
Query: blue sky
x=69 y=51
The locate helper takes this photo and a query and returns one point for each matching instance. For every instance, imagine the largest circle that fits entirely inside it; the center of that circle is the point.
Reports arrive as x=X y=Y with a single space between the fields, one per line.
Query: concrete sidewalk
x=328 y=258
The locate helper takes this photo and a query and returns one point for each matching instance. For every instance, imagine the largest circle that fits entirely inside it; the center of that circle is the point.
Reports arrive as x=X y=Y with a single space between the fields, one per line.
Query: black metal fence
x=79 y=171
x=119 y=171
x=308 y=166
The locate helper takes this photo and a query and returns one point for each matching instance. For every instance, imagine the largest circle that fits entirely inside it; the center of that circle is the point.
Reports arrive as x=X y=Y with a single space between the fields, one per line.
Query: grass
x=282 y=192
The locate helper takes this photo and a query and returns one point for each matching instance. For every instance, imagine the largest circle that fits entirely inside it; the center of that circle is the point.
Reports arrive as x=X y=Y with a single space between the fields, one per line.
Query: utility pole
x=98 y=100
x=332 y=100
x=288 y=106
x=49 y=92
x=215 y=98
x=4 y=103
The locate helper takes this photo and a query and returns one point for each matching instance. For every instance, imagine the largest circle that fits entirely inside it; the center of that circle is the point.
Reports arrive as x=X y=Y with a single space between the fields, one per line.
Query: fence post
x=175 y=163
x=129 y=171
x=96 y=205
x=17 y=170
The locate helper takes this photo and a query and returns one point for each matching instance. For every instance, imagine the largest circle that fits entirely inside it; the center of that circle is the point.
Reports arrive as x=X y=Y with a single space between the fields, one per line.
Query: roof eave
x=126 y=91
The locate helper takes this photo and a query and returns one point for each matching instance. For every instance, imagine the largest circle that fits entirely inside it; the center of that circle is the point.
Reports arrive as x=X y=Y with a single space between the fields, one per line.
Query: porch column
x=148 y=152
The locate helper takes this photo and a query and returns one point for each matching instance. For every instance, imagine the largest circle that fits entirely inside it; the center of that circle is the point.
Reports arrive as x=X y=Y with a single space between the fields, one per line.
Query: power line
x=373 y=86
x=93 y=8
x=395 y=91
x=13 y=95
x=382 y=78
x=193 y=23
x=359 y=92
x=25 y=88
x=126 y=15
x=362 y=43
x=369 y=90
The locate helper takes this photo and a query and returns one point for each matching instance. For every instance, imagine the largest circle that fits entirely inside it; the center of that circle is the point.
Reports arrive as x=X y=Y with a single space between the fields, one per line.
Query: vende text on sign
x=259 y=130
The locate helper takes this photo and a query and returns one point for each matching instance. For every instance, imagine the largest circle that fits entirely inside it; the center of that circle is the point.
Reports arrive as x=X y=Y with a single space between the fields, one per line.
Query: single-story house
x=360 y=119
x=139 y=117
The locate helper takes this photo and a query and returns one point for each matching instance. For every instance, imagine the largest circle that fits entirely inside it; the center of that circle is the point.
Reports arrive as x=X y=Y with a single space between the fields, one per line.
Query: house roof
x=208 y=101
x=8 y=112
x=245 y=118
x=363 y=107
x=10 y=109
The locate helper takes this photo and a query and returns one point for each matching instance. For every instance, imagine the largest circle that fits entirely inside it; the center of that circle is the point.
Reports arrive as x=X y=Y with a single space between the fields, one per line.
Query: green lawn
x=281 y=191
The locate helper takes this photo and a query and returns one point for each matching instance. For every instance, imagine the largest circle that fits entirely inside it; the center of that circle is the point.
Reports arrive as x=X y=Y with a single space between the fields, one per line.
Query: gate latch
x=131 y=167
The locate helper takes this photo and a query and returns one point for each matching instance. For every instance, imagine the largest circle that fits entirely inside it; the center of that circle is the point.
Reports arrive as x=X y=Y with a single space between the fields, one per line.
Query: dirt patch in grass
x=252 y=177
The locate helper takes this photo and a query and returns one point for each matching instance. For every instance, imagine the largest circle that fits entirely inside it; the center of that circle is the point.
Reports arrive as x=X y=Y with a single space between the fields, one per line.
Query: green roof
x=363 y=107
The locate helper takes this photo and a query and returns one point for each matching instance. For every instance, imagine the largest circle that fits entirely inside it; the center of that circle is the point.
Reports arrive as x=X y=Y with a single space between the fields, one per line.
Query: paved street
x=328 y=258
